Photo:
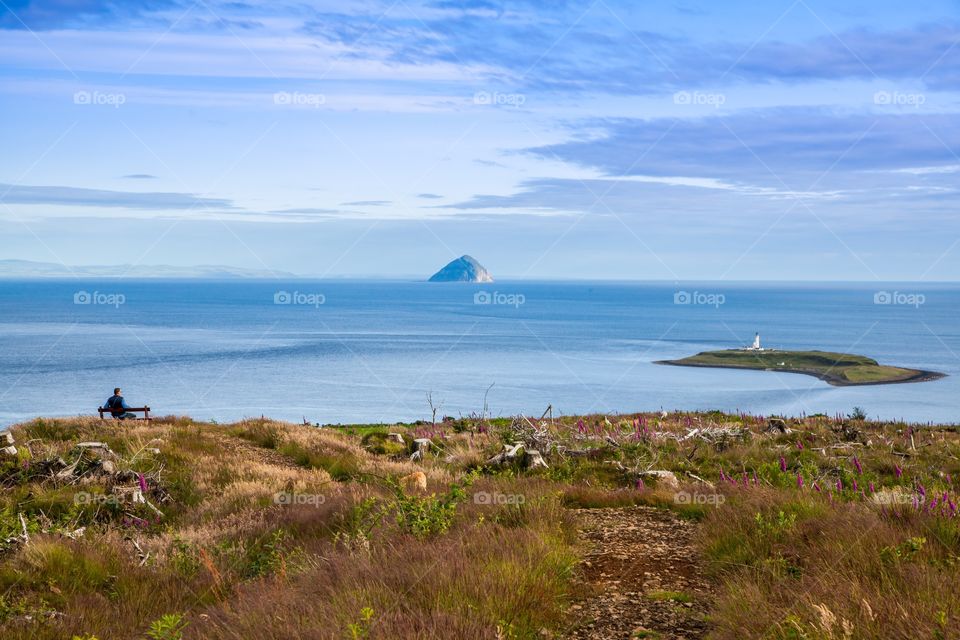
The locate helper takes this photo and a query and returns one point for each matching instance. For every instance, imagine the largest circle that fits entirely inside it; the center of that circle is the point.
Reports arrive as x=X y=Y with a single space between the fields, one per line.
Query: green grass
x=836 y=368
x=228 y=557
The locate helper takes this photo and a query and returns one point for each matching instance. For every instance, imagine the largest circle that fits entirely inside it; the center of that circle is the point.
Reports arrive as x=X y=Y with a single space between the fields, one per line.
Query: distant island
x=838 y=369
x=30 y=269
x=463 y=269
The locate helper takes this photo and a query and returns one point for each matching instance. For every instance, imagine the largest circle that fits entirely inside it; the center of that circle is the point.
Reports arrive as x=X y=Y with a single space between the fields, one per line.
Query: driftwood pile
x=91 y=464
x=531 y=442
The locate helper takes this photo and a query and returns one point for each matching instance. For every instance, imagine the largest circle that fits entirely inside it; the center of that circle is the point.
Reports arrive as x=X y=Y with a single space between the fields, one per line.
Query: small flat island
x=838 y=369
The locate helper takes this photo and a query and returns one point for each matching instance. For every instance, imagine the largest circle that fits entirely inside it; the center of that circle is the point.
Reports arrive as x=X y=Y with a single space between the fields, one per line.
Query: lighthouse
x=756 y=343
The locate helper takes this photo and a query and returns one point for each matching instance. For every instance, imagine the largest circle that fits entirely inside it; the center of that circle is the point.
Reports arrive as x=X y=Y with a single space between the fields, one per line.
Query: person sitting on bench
x=117 y=406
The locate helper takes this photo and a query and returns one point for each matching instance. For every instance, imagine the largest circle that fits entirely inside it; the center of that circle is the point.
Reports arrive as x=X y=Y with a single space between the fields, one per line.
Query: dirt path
x=642 y=578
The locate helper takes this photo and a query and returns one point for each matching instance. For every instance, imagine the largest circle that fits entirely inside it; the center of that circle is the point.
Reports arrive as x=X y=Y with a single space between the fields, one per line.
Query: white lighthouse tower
x=756 y=344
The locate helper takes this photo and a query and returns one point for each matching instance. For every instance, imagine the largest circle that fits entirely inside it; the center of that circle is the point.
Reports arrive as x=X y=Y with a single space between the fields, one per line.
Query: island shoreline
x=921 y=375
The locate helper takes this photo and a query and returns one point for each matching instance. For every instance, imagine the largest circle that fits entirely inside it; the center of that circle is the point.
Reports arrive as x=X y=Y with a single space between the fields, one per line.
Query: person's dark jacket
x=116 y=404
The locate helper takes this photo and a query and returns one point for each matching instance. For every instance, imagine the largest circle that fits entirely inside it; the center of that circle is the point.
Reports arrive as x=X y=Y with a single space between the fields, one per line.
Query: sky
x=658 y=140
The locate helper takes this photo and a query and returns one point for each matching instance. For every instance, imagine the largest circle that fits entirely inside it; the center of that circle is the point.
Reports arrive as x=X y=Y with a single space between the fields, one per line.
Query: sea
x=350 y=351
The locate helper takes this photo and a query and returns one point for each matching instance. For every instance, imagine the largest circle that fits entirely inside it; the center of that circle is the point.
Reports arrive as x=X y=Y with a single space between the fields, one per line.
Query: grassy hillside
x=836 y=368
x=811 y=528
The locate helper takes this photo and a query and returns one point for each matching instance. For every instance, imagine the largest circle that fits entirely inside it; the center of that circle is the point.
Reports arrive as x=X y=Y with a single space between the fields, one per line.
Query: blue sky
x=627 y=140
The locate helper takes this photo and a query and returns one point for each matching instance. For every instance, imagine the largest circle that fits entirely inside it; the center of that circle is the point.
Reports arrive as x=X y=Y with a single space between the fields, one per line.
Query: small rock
x=10 y=451
x=664 y=478
x=6 y=438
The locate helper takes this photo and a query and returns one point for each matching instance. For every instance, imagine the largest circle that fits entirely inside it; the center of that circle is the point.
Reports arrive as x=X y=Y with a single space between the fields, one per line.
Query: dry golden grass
x=276 y=530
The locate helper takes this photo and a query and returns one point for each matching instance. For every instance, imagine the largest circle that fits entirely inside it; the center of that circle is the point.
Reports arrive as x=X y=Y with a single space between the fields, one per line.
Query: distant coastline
x=27 y=269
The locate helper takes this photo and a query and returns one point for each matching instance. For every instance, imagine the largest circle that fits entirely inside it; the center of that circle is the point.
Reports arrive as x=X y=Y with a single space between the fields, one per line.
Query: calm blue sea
x=346 y=351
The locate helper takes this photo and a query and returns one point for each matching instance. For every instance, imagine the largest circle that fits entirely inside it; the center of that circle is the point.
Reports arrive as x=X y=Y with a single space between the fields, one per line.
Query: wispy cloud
x=74 y=196
x=366 y=203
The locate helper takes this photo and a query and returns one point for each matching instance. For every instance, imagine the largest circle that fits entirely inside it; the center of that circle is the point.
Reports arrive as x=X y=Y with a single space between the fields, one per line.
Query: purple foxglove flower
x=799 y=445
x=871 y=488
x=839 y=484
x=783 y=463
x=855 y=487
x=799 y=481
x=816 y=487
x=897 y=471
x=856 y=463
x=142 y=482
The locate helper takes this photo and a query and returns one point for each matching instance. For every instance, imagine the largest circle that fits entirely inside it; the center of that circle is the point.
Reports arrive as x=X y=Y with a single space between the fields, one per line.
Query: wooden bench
x=144 y=410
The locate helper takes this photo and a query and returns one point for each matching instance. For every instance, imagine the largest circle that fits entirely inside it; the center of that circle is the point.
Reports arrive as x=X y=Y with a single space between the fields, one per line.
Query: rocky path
x=641 y=577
